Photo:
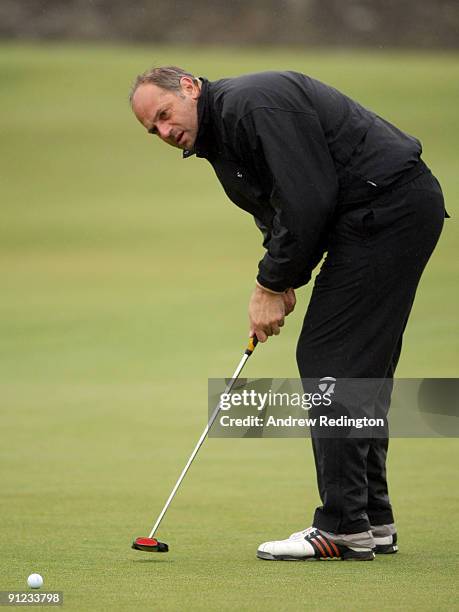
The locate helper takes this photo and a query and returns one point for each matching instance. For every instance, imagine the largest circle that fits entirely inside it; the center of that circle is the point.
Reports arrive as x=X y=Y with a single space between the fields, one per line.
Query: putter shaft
x=250 y=348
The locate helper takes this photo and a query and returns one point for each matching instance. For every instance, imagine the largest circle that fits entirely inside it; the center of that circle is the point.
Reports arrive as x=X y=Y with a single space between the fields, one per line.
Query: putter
x=151 y=544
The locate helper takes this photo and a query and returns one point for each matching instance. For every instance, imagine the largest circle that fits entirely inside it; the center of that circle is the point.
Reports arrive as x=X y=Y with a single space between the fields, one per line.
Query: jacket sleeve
x=289 y=149
x=264 y=229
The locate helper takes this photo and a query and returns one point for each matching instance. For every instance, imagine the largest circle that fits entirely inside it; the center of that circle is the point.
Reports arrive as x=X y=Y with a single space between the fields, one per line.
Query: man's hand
x=267 y=311
x=289 y=301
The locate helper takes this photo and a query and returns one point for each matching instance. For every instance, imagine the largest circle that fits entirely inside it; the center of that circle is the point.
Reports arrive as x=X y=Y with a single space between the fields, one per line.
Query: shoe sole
x=348 y=556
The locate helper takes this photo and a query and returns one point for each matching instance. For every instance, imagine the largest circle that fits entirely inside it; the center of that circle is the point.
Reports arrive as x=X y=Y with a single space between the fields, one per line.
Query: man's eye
x=163 y=115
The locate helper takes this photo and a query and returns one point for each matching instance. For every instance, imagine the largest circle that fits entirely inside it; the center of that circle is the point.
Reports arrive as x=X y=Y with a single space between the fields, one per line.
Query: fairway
x=126 y=275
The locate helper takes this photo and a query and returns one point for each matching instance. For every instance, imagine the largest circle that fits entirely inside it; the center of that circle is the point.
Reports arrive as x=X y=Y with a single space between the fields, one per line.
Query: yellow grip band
x=253 y=341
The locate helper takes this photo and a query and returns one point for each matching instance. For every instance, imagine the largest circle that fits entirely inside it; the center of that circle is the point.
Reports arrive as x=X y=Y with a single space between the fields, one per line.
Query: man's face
x=173 y=116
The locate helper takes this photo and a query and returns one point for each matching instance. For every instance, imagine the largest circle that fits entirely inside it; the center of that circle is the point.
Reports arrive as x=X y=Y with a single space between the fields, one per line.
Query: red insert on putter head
x=149 y=545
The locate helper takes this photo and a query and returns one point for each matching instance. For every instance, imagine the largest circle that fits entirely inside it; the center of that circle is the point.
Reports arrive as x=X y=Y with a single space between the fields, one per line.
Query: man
x=319 y=173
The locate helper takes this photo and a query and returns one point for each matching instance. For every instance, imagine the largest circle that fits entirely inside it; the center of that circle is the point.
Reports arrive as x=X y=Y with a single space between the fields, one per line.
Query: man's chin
x=185 y=144
x=186 y=147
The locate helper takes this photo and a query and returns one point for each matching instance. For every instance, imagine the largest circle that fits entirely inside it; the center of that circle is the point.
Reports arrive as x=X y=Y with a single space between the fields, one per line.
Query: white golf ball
x=35 y=581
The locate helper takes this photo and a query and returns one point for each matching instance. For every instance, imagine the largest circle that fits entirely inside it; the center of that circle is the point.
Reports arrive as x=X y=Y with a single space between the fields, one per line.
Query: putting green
x=125 y=280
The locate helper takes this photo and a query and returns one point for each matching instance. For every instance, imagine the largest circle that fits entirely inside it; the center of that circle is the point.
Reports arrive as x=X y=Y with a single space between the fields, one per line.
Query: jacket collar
x=204 y=137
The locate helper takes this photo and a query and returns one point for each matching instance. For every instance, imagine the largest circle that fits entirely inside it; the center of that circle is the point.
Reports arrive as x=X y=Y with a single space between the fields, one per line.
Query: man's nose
x=164 y=131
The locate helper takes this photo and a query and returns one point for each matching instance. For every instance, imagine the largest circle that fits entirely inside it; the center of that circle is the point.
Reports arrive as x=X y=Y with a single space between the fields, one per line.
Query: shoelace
x=299 y=535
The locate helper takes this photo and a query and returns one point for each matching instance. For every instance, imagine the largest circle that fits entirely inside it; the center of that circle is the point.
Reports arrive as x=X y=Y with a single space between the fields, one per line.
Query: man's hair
x=166 y=77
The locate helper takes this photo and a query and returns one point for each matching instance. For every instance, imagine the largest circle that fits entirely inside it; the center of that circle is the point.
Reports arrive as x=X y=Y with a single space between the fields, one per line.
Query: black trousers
x=353 y=328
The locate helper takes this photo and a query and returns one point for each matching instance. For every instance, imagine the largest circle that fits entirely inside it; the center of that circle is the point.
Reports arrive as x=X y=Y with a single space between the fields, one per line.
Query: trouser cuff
x=383 y=517
x=336 y=524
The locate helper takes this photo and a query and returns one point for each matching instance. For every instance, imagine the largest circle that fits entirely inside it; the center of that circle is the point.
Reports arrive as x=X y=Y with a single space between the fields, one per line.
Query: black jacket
x=292 y=151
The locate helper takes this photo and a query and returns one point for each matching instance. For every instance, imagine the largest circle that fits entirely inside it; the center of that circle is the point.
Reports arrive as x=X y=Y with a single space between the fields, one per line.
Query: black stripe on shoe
x=325 y=548
x=332 y=549
x=312 y=542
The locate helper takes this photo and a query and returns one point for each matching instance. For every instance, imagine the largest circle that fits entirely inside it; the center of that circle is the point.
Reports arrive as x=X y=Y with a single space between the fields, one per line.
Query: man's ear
x=190 y=87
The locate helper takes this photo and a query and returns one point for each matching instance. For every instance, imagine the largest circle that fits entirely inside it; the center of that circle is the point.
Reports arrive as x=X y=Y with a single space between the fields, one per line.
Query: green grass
x=125 y=280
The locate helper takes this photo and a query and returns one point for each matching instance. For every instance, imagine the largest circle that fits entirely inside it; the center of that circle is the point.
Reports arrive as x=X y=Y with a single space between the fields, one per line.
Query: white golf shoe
x=314 y=545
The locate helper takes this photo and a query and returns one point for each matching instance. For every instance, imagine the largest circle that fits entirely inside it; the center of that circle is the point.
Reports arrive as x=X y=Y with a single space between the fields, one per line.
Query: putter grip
x=253 y=341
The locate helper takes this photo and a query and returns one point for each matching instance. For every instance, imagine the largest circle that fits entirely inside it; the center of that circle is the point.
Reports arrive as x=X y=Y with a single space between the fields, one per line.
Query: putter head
x=149 y=545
